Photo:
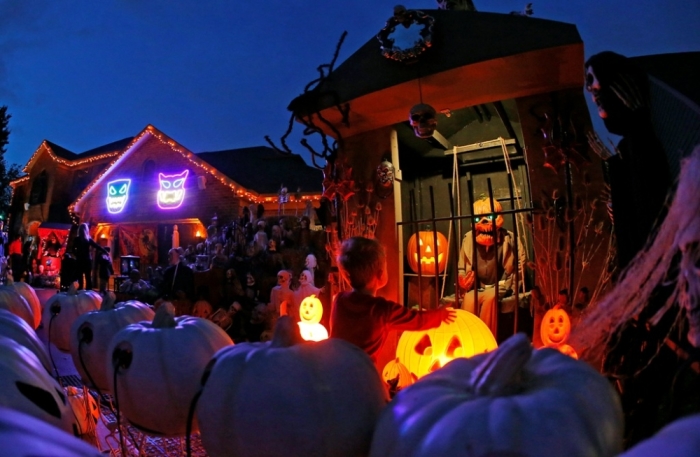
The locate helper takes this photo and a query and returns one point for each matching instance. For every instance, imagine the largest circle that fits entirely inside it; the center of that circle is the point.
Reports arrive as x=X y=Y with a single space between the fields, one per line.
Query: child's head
x=361 y=260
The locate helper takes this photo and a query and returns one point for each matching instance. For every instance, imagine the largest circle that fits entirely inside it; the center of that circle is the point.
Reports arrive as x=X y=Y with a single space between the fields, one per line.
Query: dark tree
x=6 y=174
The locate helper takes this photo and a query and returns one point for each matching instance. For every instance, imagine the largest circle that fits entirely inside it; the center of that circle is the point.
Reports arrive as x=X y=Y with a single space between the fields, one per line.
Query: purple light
x=172 y=190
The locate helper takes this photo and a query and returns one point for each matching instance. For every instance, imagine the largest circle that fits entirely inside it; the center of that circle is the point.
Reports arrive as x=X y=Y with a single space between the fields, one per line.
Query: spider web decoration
x=305 y=109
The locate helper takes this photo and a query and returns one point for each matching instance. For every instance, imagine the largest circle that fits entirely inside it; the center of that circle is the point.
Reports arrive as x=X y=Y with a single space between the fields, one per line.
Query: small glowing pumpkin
x=202 y=308
x=397 y=371
x=310 y=313
x=425 y=351
x=422 y=248
x=555 y=327
x=567 y=350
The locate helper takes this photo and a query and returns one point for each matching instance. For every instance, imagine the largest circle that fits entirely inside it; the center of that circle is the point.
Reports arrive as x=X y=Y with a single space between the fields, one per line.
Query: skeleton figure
x=456 y=5
x=423 y=121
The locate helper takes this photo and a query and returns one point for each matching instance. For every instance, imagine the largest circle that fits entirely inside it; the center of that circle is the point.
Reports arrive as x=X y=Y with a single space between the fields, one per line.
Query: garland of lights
x=192 y=158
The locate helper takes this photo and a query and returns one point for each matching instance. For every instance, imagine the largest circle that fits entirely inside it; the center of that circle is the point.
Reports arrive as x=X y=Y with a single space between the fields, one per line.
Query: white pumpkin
x=160 y=365
x=13 y=302
x=680 y=438
x=513 y=401
x=15 y=328
x=63 y=309
x=22 y=435
x=26 y=386
x=285 y=399
x=92 y=332
x=29 y=294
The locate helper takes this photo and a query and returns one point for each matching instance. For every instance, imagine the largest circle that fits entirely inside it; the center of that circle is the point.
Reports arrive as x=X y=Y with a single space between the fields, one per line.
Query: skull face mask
x=385 y=174
x=423 y=121
x=484 y=223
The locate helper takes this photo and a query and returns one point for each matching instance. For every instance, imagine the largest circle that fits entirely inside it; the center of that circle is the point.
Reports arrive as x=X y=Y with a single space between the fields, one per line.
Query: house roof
x=258 y=169
x=264 y=170
x=61 y=152
x=114 y=146
x=678 y=70
x=475 y=58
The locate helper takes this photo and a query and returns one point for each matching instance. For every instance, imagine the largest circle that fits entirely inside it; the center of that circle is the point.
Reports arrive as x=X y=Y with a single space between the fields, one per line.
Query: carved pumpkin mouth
x=428 y=260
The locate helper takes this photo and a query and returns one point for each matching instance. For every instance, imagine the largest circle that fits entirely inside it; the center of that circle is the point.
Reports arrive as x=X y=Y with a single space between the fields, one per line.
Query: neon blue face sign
x=117 y=195
x=172 y=190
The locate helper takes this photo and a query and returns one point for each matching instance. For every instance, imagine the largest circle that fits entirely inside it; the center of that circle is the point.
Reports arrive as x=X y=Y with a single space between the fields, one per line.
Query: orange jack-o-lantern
x=310 y=313
x=484 y=222
x=395 y=371
x=431 y=255
x=555 y=327
x=423 y=352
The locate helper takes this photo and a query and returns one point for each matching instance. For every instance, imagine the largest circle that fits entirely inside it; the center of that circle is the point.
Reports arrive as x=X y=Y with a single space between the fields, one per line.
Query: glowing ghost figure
x=172 y=190
x=117 y=195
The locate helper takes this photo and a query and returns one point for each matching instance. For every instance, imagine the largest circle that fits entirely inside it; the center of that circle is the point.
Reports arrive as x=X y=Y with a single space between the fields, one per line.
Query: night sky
x=219 y=74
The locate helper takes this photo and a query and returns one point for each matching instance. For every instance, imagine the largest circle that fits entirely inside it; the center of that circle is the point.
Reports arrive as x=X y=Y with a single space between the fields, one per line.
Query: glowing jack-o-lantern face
x=556 y=327
x=311 y=310
x=423 y=352
x=310 y=313
x=422 y=248
x=172 y=190
x=117 y=195
x=484 y=222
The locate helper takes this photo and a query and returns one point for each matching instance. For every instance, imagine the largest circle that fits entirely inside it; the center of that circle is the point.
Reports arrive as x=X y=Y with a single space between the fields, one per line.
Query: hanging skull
x=456 y=5
x=423 y=121
x=385 y=174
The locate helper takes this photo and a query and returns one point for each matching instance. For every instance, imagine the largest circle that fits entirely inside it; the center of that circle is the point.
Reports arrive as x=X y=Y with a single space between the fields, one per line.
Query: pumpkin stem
x=9 y=280
x=108 y=301
x=286 y=333
x=165 y=316
x=73 y=289
x=500 y=373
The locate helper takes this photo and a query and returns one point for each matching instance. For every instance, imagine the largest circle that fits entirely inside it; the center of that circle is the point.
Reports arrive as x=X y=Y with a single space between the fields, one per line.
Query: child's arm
x=401 y=318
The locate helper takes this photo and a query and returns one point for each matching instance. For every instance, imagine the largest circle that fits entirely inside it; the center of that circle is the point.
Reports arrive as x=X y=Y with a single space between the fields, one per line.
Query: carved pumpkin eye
x=454 y=348
x=41 y=398
x=424 y=346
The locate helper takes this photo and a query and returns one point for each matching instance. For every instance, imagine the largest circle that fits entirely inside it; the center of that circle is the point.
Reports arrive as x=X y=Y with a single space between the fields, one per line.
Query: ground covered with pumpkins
x=82 y=374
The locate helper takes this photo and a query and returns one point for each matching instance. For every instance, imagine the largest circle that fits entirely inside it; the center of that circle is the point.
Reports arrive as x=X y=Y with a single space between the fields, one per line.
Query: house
x=134 y=192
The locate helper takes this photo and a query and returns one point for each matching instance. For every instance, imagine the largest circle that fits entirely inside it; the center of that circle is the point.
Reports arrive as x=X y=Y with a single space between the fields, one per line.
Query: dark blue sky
x=219 y=74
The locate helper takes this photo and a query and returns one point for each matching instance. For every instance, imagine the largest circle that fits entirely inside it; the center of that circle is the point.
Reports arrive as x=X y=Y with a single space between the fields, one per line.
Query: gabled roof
x=257 y=167
x=68 y=158
x=118 y=145
x=475 y=58
x=264 y=170
x=61 y=152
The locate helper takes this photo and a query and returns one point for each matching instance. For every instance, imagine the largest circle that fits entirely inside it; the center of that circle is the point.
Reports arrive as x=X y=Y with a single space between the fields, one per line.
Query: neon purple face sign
x=172 y=190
